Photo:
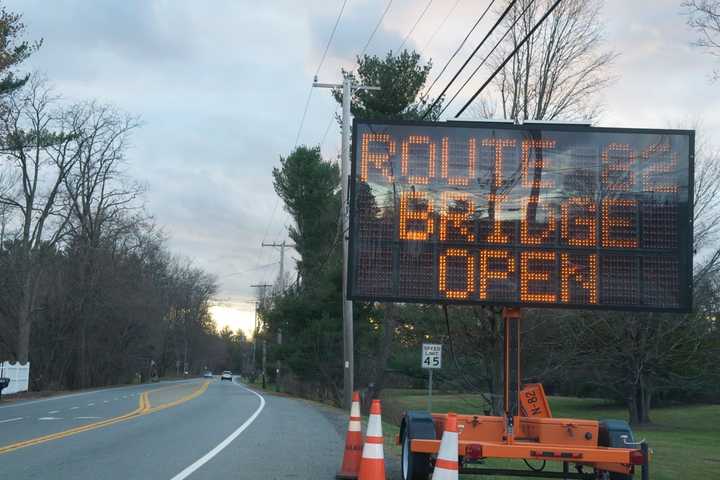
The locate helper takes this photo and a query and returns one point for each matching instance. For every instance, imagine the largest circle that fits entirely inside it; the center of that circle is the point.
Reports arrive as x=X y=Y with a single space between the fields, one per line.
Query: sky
x=221 y=87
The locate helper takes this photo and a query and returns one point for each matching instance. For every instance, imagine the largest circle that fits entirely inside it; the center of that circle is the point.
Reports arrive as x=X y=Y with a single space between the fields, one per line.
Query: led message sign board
x=521 y=215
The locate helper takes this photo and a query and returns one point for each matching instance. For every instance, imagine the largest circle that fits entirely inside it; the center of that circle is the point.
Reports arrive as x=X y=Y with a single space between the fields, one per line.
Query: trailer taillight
x=637 y=457
x=473 y=451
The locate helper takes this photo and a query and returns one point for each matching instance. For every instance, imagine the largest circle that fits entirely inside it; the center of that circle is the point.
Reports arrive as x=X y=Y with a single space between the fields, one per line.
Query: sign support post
x=430 y=391
x=431 y=359
x=511 y=369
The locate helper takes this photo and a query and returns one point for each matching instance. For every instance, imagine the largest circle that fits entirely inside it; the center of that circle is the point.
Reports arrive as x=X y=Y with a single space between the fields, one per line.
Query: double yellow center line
x=144 y=408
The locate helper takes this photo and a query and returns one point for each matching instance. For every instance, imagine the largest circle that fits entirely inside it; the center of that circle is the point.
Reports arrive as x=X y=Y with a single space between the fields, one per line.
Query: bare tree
x=639 y=357
x=704 y=17
x=101 y=202
x=97 y=189
x=559 y=71
x=42 y=154
x=706 y=211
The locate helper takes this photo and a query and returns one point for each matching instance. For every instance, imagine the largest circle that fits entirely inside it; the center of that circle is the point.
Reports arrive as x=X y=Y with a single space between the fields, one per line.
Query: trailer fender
x=616 y=434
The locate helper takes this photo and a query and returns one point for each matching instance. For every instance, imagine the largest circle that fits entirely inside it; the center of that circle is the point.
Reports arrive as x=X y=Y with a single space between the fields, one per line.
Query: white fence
x=18 y=374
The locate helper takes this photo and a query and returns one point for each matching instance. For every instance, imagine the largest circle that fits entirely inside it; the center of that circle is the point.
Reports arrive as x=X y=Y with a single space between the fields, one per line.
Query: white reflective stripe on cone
x=443 y=474
x=373 y=451
x=374 y=428
x=355 y=409
x=449 y=446
x=354 y=426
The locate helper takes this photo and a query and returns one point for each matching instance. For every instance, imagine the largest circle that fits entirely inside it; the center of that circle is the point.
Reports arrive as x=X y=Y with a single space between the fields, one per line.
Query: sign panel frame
x=431 y=351
x=684 y=222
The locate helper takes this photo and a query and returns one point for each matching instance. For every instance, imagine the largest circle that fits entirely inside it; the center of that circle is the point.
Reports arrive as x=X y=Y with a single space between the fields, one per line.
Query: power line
x=261 y=257
x=442 y=24
x=414 y=26
x=482 y=42
x=372 y=35
x=317 y=71
x=462 y=44
x=249 y=270
x=497 y=44
x=332 y=34
x=307 y=104
x=327 y=129
x=512 y=54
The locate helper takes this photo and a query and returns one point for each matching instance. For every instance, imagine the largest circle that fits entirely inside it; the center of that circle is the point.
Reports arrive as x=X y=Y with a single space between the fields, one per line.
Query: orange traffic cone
x=353 y=443
x=372 y=464
x=446 y=465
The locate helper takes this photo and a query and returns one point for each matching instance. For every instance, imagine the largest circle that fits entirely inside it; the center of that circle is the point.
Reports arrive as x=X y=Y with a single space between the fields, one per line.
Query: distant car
x=208 y=374
x=226 y=375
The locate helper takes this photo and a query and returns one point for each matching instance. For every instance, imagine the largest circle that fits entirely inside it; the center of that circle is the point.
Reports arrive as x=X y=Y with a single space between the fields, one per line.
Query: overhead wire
x=462 y=44
x=377 y=25
x=482 y=42
x=267 y=265
x=441 y=25
x=422 y=14
x=317 y=71
x=327 y=129
x=485 y=59
x=307 y=105
x=509 y=57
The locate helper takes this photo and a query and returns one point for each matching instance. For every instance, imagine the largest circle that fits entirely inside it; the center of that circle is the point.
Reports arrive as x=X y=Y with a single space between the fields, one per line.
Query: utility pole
x=255 y=334
x=281 y=284
x=283 y=246
x=261 y=296
x=349 y=87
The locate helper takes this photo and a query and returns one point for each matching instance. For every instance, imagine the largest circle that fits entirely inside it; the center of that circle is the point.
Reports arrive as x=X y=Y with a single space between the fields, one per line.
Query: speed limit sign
x=431 y=355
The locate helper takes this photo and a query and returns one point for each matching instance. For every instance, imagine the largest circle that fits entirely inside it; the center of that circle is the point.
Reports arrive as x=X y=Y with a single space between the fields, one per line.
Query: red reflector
x=473 y=451
x=637 y=457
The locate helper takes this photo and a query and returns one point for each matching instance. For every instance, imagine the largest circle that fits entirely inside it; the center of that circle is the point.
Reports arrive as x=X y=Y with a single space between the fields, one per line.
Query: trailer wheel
x=415 y=466
x=415 y=425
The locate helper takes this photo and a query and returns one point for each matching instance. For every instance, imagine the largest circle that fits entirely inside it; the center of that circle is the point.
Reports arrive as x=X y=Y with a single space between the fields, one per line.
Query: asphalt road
x=175 y=430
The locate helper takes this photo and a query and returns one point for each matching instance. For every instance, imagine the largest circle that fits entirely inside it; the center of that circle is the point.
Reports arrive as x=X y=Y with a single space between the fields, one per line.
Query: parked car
x=226 y=375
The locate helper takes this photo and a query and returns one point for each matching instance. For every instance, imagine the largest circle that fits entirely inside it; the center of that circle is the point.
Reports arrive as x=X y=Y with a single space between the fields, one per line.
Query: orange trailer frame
x=532 y=437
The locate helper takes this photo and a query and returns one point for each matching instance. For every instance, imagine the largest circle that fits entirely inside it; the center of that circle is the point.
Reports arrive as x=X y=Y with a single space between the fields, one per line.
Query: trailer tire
x=415 y=466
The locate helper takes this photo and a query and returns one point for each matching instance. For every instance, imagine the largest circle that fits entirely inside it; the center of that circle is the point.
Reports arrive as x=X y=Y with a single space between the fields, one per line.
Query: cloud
x=221 y=87
x=358 y=22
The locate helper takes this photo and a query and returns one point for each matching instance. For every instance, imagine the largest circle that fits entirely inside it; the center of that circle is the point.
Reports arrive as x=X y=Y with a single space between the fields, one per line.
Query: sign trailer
x=532 y=215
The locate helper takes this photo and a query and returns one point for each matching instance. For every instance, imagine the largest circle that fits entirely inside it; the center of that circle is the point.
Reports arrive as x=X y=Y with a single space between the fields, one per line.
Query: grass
x=685 y=439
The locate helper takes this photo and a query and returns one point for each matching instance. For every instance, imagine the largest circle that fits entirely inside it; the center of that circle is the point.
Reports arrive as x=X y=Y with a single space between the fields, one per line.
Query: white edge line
x=219 y=448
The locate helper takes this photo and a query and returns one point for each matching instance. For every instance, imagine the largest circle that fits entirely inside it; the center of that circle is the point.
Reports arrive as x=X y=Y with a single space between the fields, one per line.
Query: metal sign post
x=431 y=359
